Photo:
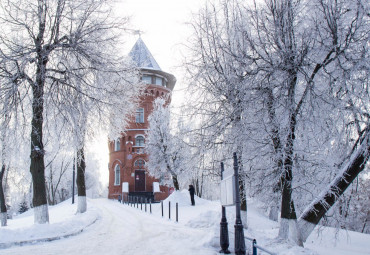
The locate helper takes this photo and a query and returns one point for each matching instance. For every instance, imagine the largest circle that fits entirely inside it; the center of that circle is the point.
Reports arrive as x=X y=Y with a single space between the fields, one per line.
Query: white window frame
x=117 y=175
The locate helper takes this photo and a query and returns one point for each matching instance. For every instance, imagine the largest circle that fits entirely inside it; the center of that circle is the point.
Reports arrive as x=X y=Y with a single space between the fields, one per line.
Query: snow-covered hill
x=109 y=227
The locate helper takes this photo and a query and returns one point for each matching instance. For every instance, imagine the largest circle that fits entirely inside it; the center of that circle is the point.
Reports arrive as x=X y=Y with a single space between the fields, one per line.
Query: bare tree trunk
x=81 y=187
x=278 y=155
x=37 y=167
x=315 y=212
x=175 y=182
x=288 y=223
x=3 y=211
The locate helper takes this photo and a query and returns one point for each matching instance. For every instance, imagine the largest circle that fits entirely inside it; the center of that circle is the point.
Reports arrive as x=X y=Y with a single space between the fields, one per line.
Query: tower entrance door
x=139 y=180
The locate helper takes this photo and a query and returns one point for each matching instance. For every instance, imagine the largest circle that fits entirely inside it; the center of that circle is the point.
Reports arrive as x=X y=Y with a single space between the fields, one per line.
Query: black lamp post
x=239 y=233
x=73 y=181
x=224 y=232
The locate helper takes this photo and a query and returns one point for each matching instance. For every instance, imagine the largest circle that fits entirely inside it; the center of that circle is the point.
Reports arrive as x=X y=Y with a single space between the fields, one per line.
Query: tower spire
x=141 y=55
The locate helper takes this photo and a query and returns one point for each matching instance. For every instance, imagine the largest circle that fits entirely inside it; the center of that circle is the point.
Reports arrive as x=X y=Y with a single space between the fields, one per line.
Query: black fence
x=145 y=204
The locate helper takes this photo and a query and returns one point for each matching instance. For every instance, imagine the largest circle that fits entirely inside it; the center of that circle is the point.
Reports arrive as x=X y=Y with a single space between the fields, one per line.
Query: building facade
x=127 y=155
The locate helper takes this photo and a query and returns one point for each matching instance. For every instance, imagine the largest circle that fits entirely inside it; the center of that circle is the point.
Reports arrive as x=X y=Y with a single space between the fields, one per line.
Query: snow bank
x=63 y=222
x=183 y=198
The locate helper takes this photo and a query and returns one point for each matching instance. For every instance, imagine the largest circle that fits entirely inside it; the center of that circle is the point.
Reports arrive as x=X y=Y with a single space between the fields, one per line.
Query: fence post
x=254 y=247
x=162 y=208
x=177 y=212
x=169 y=209
x=145 y=206
x=141 y=203
x=150 y=205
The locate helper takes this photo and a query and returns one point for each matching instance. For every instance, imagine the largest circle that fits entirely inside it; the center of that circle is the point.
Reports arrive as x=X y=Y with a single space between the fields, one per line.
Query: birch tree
x=53 y=44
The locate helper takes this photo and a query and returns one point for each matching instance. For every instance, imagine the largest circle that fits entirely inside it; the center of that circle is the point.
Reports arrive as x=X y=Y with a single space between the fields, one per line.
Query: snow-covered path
x=125 y=230
x=109 y=227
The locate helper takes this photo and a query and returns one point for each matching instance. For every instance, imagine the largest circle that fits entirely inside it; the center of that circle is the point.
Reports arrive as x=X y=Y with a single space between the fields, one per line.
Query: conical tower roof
x=142 y=56
x=147 y=64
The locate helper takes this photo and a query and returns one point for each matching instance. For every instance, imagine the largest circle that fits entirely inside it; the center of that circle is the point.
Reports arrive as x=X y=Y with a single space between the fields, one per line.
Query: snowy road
x=125 y=230
x=113 y=228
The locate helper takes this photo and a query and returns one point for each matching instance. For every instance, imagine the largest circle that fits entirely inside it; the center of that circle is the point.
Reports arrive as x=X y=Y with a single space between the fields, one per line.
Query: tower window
x=117 y=175
x=140 y=115
x=147 y=79
x=140 y=163
x=158 y=81
x=117 y=145
x=139 y=140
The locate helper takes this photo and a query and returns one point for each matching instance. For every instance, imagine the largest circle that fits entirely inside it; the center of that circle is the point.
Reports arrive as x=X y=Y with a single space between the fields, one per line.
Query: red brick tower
x=127 y=157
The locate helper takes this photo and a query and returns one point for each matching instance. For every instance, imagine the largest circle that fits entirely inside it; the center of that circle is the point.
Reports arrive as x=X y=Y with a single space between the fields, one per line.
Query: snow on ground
x=109 y=227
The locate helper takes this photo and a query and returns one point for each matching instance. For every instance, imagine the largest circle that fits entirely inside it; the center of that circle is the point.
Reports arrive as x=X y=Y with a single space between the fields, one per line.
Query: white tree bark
x=81 y=204
x=3 y=218
x=41 y=214
x=305 y=228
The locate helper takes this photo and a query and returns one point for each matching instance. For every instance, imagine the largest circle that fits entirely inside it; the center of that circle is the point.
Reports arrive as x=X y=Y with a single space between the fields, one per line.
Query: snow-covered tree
x=12 y=130
x=54 y=51
x=169 y=157
x=281 y=81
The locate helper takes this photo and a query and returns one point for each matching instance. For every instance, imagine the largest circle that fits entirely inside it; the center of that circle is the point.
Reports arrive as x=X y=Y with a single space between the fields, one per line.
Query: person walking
x=192 y=191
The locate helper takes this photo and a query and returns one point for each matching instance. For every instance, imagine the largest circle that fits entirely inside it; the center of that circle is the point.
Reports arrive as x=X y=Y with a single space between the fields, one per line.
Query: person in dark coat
x=192 y=191
x=119 y=198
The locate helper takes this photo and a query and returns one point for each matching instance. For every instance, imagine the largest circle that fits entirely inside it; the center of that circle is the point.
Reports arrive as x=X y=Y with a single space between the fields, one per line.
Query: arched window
x=118 y=145
x=140 y=163
x=139 y=141
x=117 y=175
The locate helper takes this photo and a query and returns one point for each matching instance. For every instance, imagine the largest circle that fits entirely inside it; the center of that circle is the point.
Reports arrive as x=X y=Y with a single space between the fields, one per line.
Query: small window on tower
x=140 y=163
x=139 y=141
x=158 y=81
x=117 y=175
x=147 y=79
x=140 y=115
x=118 y=145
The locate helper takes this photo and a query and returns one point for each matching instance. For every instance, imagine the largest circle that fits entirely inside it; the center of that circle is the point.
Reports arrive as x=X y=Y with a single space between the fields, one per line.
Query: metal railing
x=255 y=246
x=137 y=201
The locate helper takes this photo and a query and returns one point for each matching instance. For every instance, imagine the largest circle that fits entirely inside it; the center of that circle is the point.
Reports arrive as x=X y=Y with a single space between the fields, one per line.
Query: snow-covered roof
x=142 y=56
